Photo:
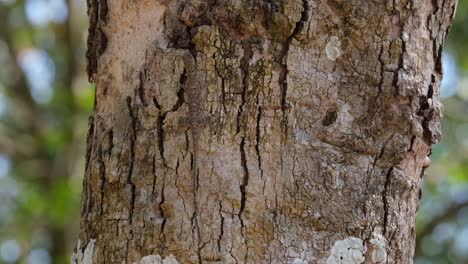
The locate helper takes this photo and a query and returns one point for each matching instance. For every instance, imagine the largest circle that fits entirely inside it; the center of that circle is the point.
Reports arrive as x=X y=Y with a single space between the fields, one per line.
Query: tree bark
x=285 y=131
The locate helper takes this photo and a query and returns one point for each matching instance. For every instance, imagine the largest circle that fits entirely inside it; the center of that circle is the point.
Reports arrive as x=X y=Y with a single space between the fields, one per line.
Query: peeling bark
x=260 y=131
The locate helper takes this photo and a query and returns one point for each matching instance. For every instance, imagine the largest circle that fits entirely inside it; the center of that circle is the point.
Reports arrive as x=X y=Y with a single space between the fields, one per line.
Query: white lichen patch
x=348 y=251
x=377 y=249
x=156 y=259
x=405 y=36
x=85 y=257
x=333 y=49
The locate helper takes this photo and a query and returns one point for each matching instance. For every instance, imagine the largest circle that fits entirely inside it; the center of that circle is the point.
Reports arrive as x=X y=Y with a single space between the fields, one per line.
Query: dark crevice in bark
x=436 y=47
x=221 y=227
x=330 y=117
x=257 y=140
x=141 y=89
x=199 y=249
x=382 y=151
x=197 y=179
x=283 y=60
x=223 y=94
x=97 y=40
x=245 y=180
x=194 y=219
x=382 y=70
x=160 y=125
x=180 y=93
x=423 y=105
x=245 y=69
x=426 y=111
x=160 y=206
x=162 y=116
x=430 y=90
x=438 y=64
x=111 y=142
x=413 y=140
x=89 y=141
x=132 y=138
x=86 y=201
x=196 y=231
x=153 y=171
x=126 y=251
x=385 y=199
x=372 y=170
x=187 y=141
x=156 y=103
x=191 y=162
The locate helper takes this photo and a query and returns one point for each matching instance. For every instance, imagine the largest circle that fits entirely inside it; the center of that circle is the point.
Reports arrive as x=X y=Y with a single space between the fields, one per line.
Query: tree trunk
x=253 y=131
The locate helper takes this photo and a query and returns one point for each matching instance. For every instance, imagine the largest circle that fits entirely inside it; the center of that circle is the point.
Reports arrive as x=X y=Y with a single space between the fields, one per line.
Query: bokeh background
x=45 y=102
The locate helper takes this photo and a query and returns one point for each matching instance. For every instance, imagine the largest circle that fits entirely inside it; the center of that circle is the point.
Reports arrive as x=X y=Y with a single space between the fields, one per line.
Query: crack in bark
x=369 y=174
x=161 y=210
x=257 y=141
x=180 y=93
x=89 y=154
x=245 y=180
x=102 y=168
x=162 y=116
x=283 y=60
x=199 y=249
x=160 y=131
x=132 y=138
x=156 y=103
x=111 y=142
x=245 y=69
x=382 y=70
x=161 y=119
x=153 y=171
x=141 y=88
x=221 y=227
x=89 y=141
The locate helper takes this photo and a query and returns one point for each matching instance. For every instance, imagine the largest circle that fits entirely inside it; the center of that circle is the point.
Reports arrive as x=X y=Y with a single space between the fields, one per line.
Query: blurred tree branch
x=450 y=211
x=20 y=94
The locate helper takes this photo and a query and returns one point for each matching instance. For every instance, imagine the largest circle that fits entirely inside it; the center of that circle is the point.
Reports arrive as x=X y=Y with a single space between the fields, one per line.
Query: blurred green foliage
x=458 y=38
x=45 y=101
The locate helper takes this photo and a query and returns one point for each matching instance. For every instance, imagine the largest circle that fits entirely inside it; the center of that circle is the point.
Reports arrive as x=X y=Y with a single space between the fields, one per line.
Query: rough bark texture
x=253 y=131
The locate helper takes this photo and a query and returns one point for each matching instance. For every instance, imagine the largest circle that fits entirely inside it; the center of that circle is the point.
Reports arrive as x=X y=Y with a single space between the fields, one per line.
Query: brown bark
x=282 y=131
